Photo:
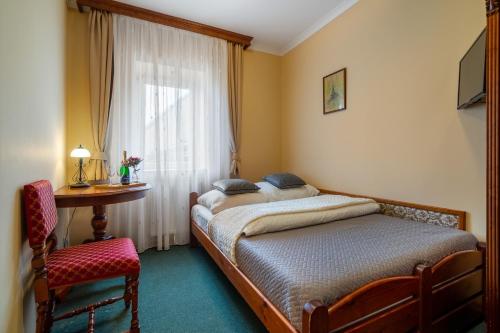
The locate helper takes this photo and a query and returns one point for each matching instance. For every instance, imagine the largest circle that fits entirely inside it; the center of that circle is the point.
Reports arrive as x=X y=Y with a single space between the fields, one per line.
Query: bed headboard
x=420 y=213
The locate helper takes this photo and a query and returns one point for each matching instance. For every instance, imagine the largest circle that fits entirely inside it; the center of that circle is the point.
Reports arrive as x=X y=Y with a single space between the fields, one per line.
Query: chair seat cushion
x=92 y=261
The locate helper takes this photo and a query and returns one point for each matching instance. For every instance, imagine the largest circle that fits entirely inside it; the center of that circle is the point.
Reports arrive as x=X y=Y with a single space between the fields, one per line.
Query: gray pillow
x=235 y=186
x=284 y=180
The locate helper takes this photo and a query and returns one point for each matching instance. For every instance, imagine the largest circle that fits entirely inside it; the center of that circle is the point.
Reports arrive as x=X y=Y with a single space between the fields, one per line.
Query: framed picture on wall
x=334 y=92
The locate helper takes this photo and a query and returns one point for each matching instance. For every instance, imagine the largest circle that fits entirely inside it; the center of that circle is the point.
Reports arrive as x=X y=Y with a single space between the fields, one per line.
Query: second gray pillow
x=284 y=180
x=235 y=186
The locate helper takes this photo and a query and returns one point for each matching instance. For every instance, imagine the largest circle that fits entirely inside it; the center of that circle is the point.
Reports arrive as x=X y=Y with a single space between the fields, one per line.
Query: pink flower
x=132 y=161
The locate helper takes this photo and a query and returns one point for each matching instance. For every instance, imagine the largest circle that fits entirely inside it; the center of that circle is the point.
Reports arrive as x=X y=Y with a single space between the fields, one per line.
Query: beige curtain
x=101 y=78
x=235 y=83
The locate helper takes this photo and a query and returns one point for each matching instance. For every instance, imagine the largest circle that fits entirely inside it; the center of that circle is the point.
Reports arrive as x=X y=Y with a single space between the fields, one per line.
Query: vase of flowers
x=133 y=162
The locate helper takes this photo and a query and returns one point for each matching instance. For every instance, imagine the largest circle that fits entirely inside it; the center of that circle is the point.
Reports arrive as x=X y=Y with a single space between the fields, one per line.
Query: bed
x=429 y=278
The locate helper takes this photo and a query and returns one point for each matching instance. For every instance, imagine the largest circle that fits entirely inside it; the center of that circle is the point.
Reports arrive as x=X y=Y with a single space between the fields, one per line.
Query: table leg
x=99 y=223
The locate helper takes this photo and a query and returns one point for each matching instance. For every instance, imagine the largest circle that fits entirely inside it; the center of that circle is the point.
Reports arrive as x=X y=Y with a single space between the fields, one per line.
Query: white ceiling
x=276 y=25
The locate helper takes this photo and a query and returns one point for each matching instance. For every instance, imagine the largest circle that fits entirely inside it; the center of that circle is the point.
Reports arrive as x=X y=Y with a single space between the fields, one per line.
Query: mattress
x=330 y=260
x=201 y=215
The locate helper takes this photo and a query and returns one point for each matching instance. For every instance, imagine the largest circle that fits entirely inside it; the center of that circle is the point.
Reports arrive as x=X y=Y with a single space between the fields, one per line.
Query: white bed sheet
x=201 y=215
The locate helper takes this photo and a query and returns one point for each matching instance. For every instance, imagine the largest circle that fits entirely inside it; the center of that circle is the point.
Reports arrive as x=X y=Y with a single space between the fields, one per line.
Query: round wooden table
x=98 y=198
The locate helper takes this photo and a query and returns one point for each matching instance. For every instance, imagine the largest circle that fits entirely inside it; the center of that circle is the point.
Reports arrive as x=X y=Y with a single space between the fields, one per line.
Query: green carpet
x=181 y=291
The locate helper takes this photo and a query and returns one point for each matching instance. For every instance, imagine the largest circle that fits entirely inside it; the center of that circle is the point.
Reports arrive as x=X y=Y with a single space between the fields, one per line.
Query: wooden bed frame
x=446 y=297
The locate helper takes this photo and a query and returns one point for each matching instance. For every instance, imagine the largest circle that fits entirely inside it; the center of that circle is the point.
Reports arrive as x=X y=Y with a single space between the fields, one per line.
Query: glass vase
x=135 y=176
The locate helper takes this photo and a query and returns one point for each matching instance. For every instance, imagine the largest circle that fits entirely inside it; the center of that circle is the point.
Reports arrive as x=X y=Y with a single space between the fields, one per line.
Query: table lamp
x=80 y=178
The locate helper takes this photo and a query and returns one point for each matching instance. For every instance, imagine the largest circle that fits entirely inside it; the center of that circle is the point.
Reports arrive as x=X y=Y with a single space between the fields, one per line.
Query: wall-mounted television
x=472 y=77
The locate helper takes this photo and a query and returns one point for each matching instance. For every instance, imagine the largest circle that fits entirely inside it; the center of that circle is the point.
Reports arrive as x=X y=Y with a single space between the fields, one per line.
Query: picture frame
x=335 y=91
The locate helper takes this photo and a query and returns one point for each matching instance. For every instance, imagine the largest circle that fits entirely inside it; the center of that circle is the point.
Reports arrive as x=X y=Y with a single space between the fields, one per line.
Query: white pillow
x=274 y=193
x=217 y=201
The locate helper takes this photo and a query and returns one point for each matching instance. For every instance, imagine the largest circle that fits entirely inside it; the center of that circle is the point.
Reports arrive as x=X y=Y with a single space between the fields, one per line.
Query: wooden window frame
x=169 y=20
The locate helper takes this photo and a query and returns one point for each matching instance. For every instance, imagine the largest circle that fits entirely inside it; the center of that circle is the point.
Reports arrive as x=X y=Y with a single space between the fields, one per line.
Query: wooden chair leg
x=41 y=317
x=134 y=287
x=91 y=321
x=127 y=293
x=49 y=319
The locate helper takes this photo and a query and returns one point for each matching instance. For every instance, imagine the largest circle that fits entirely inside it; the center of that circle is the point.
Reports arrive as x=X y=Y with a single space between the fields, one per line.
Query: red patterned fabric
x=92 y=261
x=41 y=212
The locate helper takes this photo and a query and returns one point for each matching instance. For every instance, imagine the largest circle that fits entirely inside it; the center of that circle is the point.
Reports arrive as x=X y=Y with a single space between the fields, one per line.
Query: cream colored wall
x=78 y=123
x=401 y=136
x=32 y=138
x=78 y=97
x=261 y=130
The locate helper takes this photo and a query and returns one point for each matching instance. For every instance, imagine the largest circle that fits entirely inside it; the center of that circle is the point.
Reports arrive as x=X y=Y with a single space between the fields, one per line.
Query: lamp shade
x=80 y=152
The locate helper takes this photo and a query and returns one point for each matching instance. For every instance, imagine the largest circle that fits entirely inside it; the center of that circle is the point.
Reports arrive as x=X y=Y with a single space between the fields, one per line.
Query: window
x=167 y=128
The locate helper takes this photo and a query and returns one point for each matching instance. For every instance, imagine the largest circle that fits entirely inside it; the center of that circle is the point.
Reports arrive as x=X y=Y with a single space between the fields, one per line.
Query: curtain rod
x=172 y=21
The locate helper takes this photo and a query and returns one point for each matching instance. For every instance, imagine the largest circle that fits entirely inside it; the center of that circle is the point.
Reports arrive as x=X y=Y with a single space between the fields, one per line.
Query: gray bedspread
x=330 y=260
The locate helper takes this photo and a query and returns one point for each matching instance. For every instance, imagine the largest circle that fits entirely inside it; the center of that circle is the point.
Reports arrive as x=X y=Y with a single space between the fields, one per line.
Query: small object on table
x=127 y=163
x=80 y=178
x=134 y=163
x=114 y=180
x=98 y=197
x=113 y=174
x=124 y=170
x=116 y=186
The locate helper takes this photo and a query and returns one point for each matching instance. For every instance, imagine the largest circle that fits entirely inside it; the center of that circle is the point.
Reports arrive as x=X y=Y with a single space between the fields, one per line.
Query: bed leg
x=481 y=246
x=315 y=318
x=193 y=242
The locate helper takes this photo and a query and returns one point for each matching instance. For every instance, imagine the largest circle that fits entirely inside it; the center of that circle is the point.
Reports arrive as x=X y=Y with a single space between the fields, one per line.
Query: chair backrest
x=41 y=212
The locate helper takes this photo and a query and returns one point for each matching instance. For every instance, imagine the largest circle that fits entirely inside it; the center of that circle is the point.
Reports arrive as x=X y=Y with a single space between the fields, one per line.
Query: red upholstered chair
x=74 y=265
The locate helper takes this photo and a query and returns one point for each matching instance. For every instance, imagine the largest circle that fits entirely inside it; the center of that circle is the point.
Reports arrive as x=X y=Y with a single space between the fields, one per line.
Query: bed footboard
x=390 y=304
x=457 y=291
x=447 y=297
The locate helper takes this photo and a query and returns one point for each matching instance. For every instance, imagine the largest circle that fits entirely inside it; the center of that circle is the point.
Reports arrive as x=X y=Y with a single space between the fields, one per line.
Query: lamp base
x=79 y=185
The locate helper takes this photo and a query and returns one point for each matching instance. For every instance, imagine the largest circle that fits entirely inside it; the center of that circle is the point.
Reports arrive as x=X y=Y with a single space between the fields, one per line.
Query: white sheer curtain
x=169 y=106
